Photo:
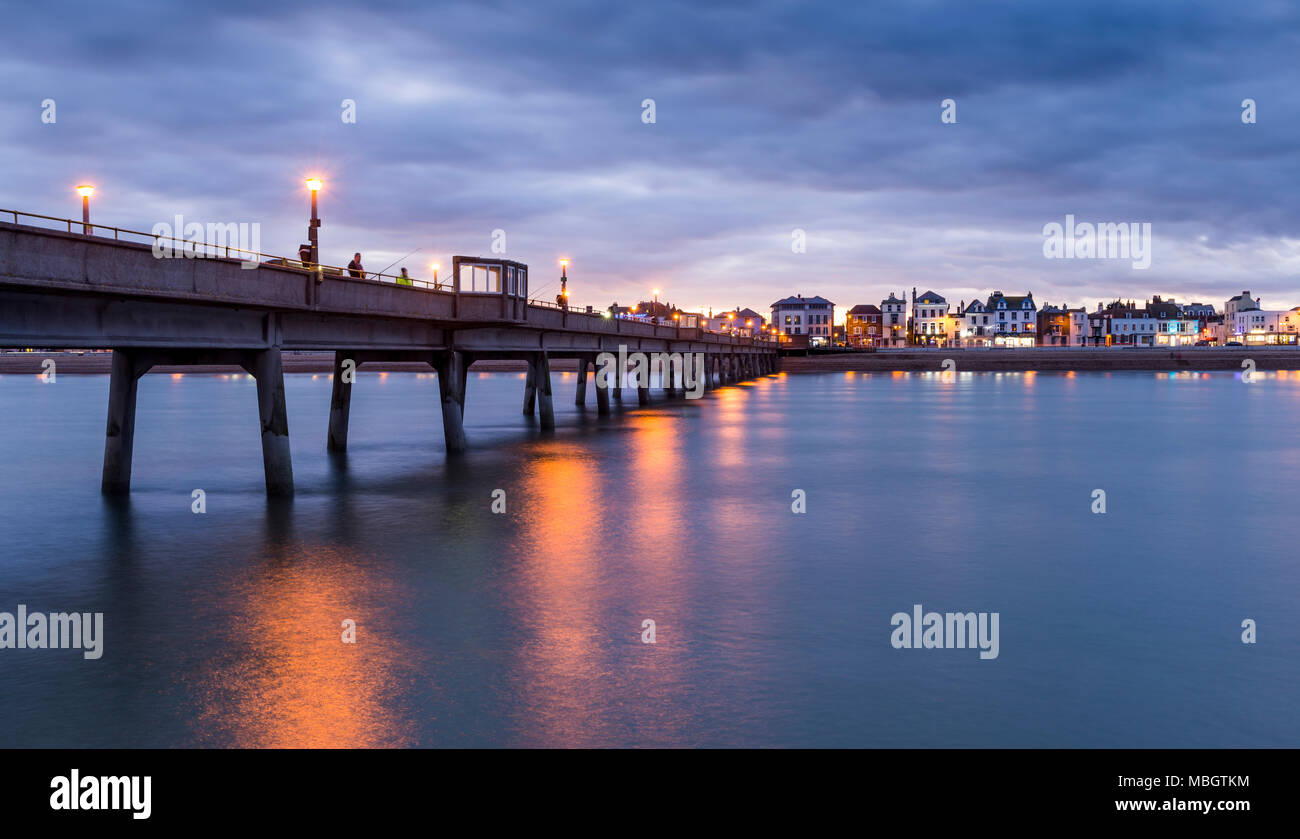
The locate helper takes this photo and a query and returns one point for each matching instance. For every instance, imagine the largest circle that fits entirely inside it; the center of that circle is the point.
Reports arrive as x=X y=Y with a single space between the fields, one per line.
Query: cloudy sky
x=769 y=118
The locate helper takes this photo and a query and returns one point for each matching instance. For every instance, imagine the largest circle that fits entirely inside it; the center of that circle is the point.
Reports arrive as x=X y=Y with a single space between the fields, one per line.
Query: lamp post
x=564 y=283
x=435 y=266
x=314 y=184
x=85 y=191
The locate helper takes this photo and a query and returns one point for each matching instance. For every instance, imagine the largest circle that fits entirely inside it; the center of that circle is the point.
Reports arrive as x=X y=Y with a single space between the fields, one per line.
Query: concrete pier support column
x=580 y=396
x=602 y=385
x=642 y=382
x=274 y=414
x=451 y=387
x=530 y=386
x=119 y=437
x=545 y=401
x=668 y=377
x=340 y=403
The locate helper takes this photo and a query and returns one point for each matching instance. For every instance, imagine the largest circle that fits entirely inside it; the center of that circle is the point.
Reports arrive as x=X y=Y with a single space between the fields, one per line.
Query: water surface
x=524 y=629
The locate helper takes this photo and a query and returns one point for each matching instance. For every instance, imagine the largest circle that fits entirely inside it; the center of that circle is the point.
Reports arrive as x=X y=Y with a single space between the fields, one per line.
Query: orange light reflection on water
x=572 y=666
x=287 y=680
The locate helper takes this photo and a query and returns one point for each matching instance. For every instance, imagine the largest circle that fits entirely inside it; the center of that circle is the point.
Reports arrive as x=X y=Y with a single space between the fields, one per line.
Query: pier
x=106 y=289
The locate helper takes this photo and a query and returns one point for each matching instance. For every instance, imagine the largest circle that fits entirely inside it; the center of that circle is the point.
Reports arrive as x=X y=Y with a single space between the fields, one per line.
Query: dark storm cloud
x=771 y=117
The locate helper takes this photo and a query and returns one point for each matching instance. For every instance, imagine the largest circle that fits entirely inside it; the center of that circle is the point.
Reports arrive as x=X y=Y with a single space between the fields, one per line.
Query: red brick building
x=862 y=326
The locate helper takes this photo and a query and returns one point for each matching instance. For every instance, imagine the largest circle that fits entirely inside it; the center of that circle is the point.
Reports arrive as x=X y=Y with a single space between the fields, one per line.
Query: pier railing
x=209 y=250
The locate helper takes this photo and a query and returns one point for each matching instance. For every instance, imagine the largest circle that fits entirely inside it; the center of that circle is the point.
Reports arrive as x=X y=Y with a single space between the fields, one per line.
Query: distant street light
x=564 y=283
x=314 y=184
x=85 y=191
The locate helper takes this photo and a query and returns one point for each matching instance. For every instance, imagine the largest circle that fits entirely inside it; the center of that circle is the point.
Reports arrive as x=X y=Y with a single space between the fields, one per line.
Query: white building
x=1241 y=303
x=1016 y=319
x=893 y=321
x=1133 y=329
x=1174 y=326
x=1246 y=321
x=1078 y=327
x=811 y=316
x=929 y=318
x=975 y=326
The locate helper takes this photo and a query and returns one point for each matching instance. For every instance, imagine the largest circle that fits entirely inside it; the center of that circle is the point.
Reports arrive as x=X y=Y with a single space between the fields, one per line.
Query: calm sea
x=475 y=628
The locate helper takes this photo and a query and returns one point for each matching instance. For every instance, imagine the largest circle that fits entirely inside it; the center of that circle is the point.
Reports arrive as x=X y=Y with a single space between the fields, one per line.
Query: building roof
x=799 y=300
x=930 y=298
x=865 y=309
x=1013 y=302
x=1164 y=310
x=892 y=299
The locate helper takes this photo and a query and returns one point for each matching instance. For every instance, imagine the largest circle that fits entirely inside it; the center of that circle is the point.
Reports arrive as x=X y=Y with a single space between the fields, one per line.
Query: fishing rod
x=399 y=259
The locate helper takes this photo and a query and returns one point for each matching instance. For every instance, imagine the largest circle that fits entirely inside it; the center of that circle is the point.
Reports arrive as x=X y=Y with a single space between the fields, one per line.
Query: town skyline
x=688 y=151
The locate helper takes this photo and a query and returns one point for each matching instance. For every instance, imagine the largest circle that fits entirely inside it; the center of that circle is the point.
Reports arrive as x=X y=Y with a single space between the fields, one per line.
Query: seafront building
x=810 y=316
x=894 y=328
x=740 y=321
x=1247 y=322
x=930 y=323
x=862 y=326
x=999 y=321
x=1061 y=326
x=1017 y=319
x=975 y=326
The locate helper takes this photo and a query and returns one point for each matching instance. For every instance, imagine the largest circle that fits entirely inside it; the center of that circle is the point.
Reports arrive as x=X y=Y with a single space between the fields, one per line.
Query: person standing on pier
x=404 y=278
x=355 y=269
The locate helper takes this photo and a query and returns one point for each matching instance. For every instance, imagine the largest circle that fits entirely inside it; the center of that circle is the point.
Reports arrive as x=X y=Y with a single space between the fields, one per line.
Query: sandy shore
x=1189 y=358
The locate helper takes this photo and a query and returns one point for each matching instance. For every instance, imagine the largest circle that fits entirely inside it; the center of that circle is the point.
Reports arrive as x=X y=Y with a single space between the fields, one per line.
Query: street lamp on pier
x=314 y=184
x=85 y=191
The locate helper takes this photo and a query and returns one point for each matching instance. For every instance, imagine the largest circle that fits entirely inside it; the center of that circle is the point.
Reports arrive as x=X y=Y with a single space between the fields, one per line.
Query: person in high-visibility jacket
x=404 y=278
